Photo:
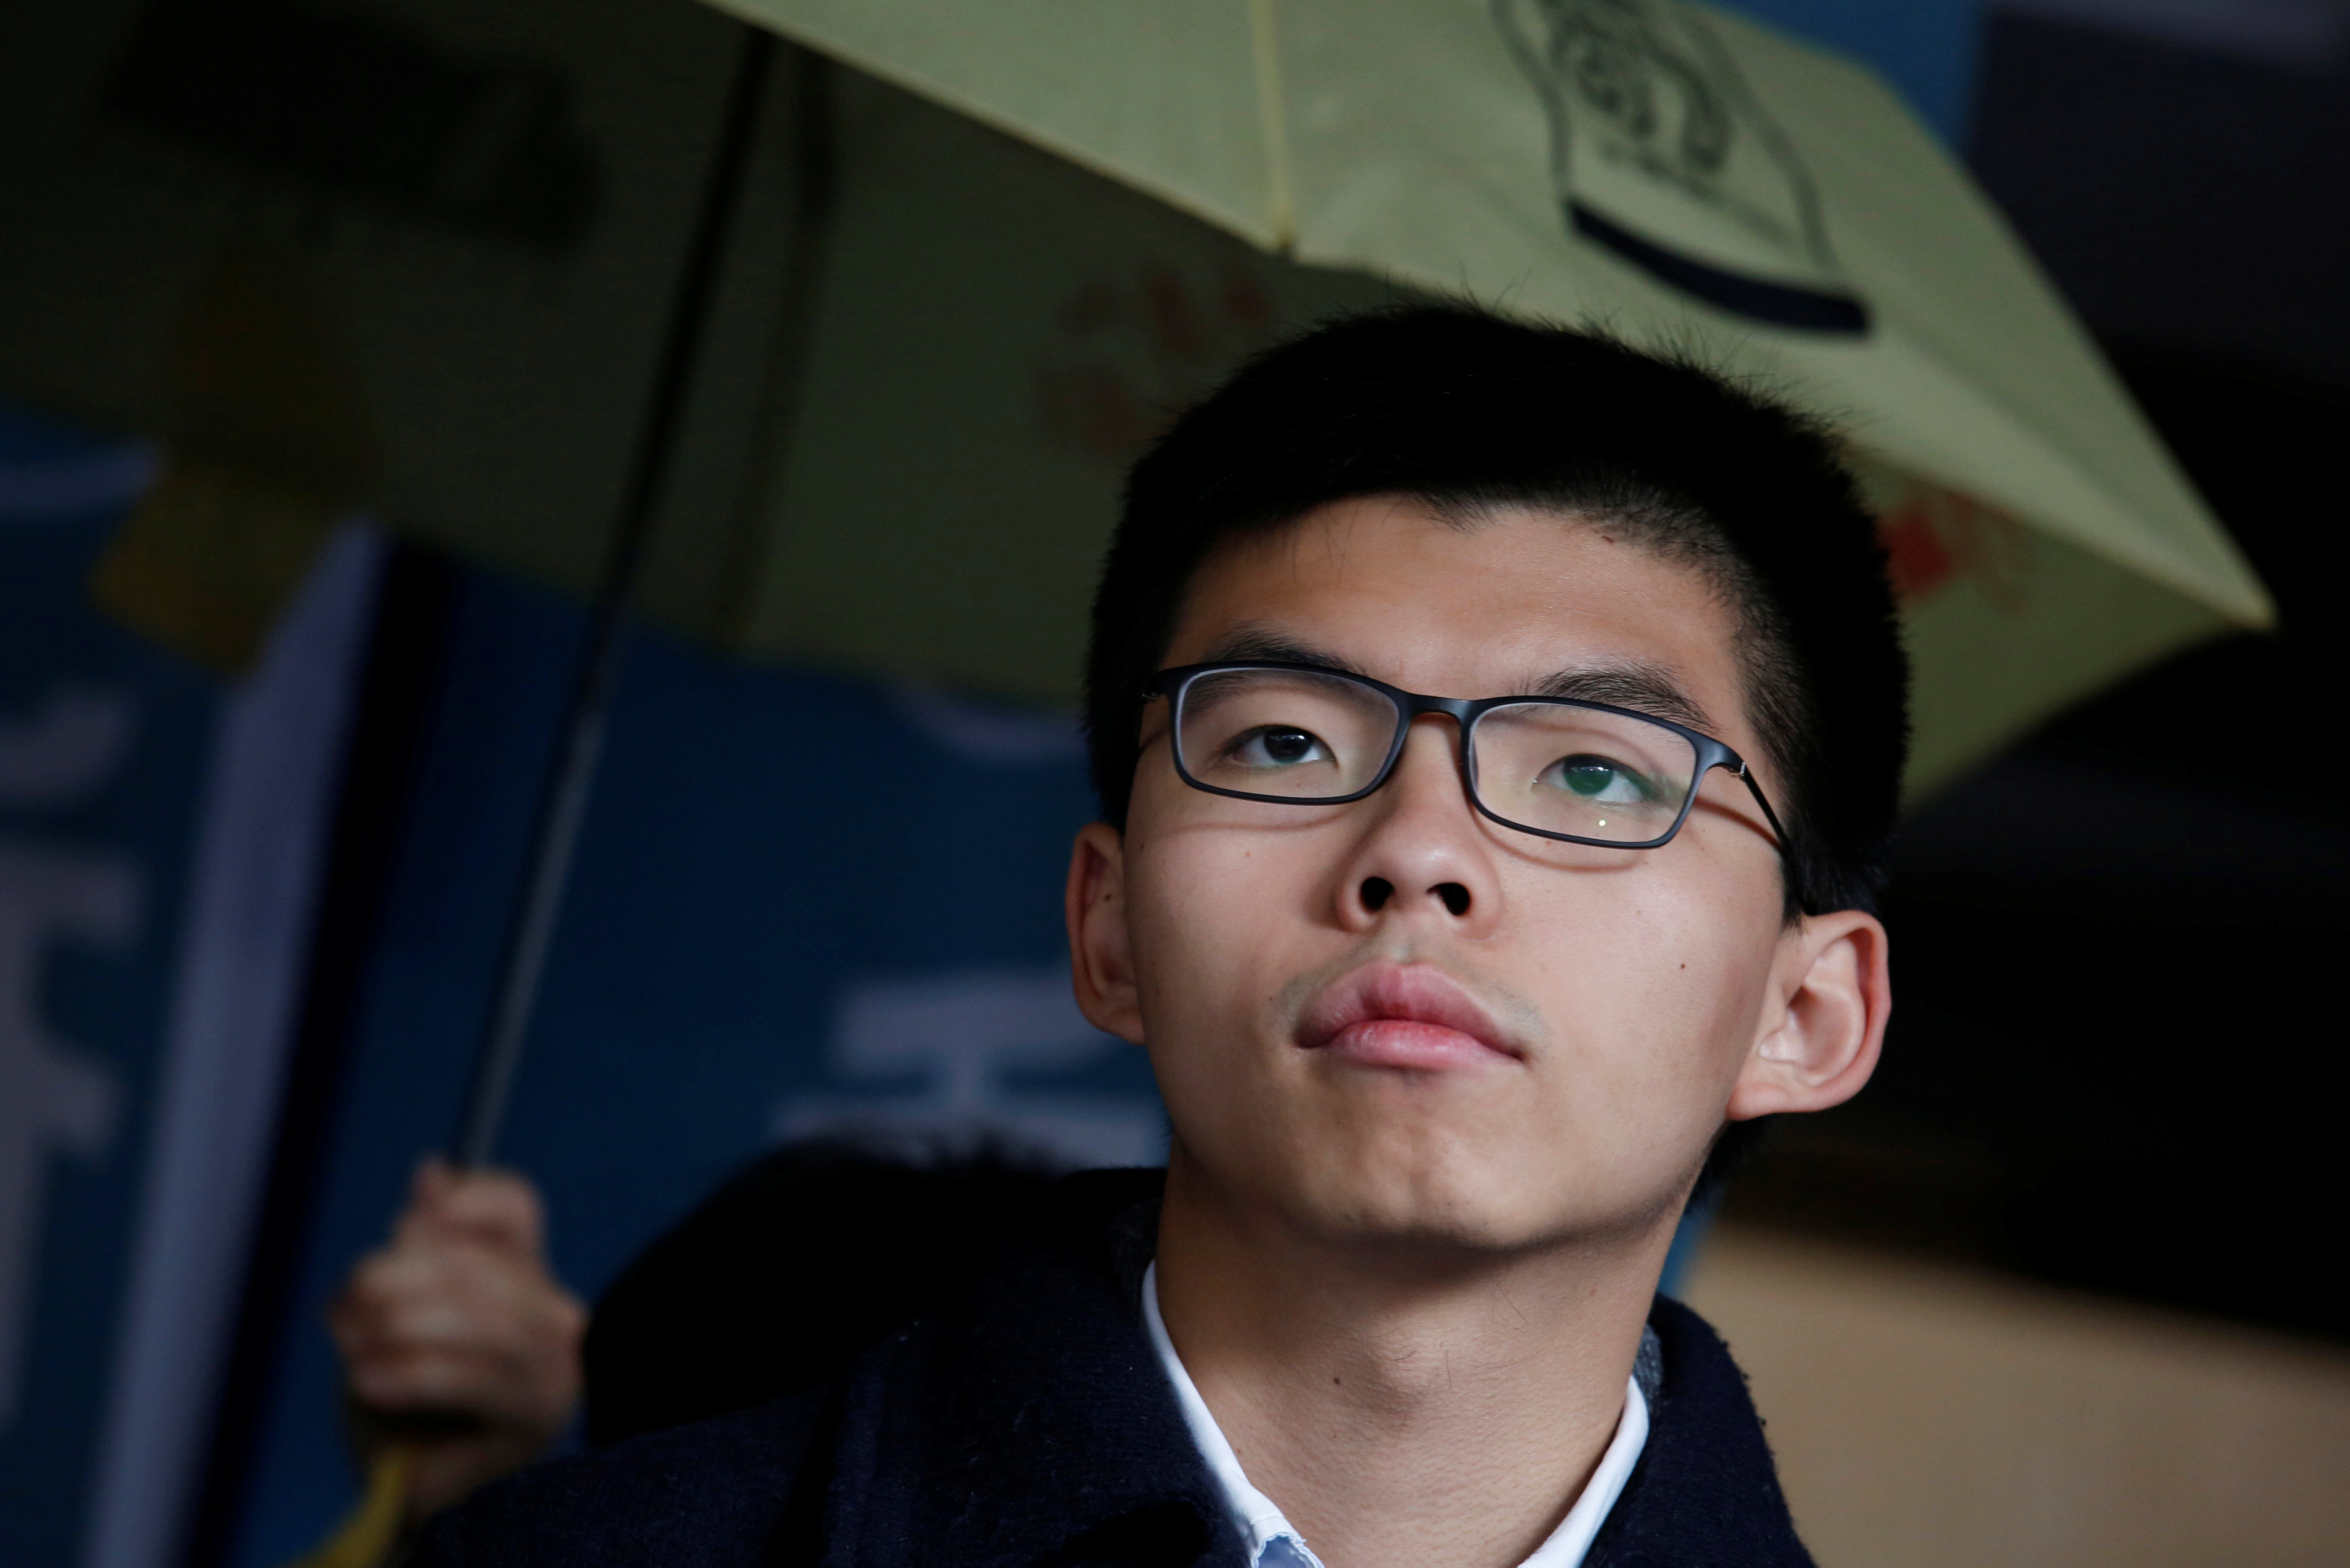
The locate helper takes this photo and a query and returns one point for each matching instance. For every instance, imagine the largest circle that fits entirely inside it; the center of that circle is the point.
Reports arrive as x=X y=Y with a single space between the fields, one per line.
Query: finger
x=428 y=1189
x=429 y=1260
x=433 y=1175
x=426 y=1296
x=457 y=1294
x=495 y=1389
x=434 y=1270
x=464 y=1316
x=497 y=1208
x=497 y=1204
x=434 y=1330
x=375 y=1281
x=451 y=1382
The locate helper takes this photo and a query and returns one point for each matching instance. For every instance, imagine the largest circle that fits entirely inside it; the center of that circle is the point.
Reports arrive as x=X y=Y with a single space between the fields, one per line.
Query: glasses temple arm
x=1778 y=829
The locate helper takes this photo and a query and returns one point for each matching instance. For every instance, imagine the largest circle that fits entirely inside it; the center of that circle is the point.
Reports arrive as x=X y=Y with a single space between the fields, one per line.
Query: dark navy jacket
x=1031 y=1424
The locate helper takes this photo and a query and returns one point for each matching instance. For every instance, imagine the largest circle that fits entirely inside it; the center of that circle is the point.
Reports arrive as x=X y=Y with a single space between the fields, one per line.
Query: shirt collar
x=1274 y=1543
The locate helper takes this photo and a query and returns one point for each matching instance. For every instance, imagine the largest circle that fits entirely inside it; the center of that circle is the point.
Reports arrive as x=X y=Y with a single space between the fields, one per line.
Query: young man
x=1497 y=733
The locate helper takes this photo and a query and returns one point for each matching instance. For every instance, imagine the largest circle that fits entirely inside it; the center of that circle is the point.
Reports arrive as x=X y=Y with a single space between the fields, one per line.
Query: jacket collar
x=1033 y=1426
x=1705 y=1491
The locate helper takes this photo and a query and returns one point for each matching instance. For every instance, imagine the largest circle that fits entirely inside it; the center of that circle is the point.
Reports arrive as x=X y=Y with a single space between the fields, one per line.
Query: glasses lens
x=1285 y=733
x=1579 y=771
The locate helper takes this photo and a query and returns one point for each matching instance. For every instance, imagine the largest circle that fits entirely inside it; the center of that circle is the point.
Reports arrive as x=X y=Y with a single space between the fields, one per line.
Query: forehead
x=1490 y=606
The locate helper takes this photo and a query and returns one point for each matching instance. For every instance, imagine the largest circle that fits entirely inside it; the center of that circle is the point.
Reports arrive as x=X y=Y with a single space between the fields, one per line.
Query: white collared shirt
x=1274 y=1543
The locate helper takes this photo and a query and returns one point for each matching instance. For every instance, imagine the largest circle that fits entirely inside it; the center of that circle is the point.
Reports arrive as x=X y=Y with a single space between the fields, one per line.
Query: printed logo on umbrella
x=1662 y=154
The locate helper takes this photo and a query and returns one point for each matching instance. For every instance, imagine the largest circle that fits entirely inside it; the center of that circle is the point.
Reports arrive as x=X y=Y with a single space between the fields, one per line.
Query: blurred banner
x=156 y=850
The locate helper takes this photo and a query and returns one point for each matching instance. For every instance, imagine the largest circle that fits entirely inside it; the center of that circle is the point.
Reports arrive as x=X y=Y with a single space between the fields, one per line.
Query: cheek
x=1212 y=909
x=1652 y=986
x=1210 y=928
x=1207 y=911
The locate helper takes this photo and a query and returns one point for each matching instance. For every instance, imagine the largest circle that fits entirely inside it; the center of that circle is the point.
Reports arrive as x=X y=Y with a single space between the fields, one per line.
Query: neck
x=1414 y=1406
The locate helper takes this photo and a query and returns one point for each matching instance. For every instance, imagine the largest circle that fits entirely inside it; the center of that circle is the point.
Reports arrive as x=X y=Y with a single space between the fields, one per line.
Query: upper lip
x=1417 y=992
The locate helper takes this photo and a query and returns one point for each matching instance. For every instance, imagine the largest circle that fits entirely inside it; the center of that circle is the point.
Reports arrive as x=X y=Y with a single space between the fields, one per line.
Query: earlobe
x=1824 y=1025
x=1101 y=962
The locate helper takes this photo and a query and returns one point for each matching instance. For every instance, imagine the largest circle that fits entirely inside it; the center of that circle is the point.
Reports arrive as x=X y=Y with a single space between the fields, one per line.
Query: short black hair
x=1467 y=411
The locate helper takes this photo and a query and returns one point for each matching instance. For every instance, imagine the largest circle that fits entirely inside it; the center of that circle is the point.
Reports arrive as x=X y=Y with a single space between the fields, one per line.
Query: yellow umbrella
x=995 y=324
x=1050 y=220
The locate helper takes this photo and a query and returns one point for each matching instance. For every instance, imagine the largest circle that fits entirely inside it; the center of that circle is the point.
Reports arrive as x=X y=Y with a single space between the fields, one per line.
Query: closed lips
x=1405 y=1016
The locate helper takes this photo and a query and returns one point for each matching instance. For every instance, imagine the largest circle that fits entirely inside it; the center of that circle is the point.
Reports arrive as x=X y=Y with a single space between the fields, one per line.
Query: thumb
x=428 y=1195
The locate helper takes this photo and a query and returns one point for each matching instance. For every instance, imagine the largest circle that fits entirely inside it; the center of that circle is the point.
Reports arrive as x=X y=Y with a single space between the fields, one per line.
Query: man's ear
x=1823 y=1022
x=1101 y=961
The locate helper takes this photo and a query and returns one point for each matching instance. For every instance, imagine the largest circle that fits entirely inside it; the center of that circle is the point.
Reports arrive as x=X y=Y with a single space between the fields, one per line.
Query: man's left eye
x=1603 y=781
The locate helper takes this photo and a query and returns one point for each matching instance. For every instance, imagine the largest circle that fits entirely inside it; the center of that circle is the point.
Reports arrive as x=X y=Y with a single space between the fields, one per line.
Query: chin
x=1472 y=1205
x=1464 y=1206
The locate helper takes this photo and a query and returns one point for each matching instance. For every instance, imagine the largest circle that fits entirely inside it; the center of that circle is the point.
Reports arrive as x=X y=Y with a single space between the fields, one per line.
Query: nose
x=1422 y=854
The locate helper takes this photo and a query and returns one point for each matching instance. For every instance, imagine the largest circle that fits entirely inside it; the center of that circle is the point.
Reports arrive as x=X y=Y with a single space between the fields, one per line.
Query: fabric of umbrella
x=1029 y=231
x=989 y=319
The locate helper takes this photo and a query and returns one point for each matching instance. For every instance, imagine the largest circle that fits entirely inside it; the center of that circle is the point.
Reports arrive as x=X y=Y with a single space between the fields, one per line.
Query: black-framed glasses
x=1558 y=767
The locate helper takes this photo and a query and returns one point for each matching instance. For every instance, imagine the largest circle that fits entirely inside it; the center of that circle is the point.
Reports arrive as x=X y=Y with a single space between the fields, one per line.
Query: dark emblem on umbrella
x=1662 y=153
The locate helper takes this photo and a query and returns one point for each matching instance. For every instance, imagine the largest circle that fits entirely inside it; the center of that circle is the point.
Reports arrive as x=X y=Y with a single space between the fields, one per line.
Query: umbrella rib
x=1272 y=111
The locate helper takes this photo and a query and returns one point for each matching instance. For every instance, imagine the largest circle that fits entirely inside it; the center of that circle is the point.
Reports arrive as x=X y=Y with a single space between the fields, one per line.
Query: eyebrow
x=1640 y=686
x=1644 y=688
x=1254 y=645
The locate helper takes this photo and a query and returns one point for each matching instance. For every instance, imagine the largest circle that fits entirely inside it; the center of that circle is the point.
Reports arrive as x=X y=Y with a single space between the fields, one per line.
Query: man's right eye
x=1277 y=746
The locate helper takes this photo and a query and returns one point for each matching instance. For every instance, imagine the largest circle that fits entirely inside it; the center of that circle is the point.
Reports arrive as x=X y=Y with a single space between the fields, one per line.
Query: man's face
x=1396 y=1017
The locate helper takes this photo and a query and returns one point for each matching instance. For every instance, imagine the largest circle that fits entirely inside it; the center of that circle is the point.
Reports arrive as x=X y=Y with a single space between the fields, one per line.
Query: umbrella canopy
x=996 y=327
x=975 y=272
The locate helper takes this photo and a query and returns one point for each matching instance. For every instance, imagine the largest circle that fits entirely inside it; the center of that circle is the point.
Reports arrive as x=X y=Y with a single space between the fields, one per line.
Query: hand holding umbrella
x=462 y=1348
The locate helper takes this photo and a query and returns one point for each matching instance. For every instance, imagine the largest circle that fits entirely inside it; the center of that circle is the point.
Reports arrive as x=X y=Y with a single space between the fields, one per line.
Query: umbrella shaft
x=563 y=807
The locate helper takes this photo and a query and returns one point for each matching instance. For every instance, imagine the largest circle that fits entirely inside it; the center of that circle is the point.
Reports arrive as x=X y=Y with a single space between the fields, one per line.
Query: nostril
x=1455 y=897
x=1375 y=892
